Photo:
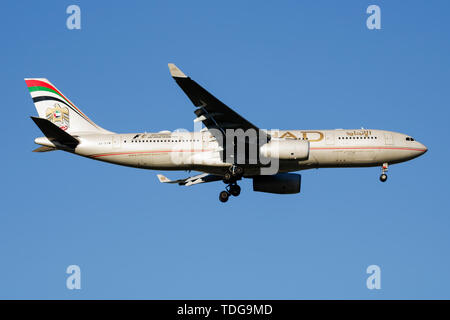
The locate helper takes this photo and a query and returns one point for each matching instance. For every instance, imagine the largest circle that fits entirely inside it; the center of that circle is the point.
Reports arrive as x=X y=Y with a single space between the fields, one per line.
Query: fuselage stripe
x=205 y=150
x=366 y=148
x=146 y=152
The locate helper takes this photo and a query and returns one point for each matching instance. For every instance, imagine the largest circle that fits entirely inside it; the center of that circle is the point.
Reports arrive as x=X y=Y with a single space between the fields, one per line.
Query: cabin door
x=388 y=138
x=116 y=141
x=330 y=138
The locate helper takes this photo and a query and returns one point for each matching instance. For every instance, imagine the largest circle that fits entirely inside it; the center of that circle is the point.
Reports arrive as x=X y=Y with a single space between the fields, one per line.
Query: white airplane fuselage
x=228 y=148
x=199 y=151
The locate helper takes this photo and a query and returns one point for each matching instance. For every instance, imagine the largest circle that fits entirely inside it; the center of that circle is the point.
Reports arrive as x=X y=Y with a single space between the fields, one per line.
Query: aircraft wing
x=201 y=178
x=211 y=111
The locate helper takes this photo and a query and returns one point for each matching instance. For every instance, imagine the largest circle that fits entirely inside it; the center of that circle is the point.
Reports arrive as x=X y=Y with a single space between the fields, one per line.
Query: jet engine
x=281 y=183
x=288 y=149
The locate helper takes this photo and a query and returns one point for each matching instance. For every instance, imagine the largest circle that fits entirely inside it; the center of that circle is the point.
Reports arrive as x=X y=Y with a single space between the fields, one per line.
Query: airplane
x=228 y=148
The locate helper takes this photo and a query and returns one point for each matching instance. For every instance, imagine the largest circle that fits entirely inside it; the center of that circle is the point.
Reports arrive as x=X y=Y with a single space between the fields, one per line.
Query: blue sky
x=284 y=64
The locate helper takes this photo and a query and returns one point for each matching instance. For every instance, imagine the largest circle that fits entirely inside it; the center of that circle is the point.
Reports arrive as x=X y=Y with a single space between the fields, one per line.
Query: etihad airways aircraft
x=227 y=149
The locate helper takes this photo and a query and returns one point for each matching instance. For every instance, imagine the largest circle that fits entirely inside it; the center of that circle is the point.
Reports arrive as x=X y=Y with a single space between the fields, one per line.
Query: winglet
x=175 y=72
x=163 y=179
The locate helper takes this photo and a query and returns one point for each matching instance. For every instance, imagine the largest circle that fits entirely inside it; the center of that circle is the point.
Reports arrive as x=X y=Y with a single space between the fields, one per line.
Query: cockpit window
x=409 y=139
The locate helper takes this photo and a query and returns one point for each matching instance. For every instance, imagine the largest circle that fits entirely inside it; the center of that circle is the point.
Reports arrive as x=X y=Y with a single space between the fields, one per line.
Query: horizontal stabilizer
x=55 y=134
x=44 y=149
x=164 y=179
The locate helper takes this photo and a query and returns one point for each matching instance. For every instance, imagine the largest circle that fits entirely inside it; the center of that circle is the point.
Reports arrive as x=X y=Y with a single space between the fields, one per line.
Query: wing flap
x=201 y=178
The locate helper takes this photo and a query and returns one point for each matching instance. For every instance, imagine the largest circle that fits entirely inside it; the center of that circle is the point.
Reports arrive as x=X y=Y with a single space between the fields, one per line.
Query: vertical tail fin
x=52 y=105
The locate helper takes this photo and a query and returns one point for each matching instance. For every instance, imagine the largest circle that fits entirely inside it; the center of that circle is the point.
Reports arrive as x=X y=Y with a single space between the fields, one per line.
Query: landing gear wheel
x=235 y=190
x=223 y=196
x=384 y=169
x=227 y=177
x=238 y=171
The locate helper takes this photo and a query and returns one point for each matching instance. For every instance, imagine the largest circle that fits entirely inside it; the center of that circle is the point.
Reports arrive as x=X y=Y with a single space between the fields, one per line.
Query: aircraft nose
x=422 y=148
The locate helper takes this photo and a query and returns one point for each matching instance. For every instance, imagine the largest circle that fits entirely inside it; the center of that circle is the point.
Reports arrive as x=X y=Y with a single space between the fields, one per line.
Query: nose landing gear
x=384 y=169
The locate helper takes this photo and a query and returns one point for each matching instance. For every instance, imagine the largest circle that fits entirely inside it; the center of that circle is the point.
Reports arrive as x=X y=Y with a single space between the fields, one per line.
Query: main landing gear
x=230 y=178
x=232 y=189
x=384 y=169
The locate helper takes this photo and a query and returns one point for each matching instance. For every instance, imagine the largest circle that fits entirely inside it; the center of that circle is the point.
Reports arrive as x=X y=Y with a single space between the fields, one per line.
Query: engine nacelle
x=281 y=183
x=288 y=149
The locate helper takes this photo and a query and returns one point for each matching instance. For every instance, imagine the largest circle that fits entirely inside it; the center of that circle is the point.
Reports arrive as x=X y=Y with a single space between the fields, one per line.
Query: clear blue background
x=281 y=64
